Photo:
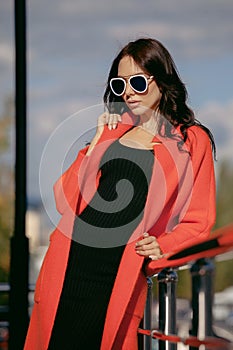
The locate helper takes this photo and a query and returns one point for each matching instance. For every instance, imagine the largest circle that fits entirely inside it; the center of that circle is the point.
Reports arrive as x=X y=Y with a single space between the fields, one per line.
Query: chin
x=141 y=110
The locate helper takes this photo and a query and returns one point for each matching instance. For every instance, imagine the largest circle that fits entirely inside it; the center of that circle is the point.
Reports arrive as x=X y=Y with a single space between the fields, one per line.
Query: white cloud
x=219 y=118
x=192 y=29
x=155 y=28
x=6 y=54
x=189 y=39
x=127 y=7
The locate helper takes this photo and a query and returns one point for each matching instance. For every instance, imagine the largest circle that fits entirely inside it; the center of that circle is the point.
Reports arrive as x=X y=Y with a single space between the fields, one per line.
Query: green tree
x=6 y=187
x=224 y=271
x=224 y=194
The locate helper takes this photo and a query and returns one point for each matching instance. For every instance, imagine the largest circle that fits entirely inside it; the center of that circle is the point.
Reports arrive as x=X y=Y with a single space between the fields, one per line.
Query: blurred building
x=37 y=230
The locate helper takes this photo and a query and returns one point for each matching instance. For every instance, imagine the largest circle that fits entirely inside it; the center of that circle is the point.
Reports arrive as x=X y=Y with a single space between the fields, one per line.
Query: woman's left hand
x=148 y=247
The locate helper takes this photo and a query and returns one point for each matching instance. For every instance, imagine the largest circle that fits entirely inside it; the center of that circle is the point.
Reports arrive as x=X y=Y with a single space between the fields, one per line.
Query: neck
x=150 y=123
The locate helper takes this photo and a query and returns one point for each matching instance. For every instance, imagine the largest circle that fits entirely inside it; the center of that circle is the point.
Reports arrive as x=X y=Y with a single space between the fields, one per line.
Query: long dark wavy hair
x=154 y=59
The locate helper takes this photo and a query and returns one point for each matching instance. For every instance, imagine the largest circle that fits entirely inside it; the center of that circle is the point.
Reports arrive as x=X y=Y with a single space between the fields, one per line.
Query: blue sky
x=71 y=45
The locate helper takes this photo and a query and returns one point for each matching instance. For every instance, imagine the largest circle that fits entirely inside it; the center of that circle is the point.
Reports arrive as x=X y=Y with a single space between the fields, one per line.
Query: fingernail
x=153 y=257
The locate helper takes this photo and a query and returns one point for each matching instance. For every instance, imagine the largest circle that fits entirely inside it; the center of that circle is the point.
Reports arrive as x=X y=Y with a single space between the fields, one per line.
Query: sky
x=71 y=45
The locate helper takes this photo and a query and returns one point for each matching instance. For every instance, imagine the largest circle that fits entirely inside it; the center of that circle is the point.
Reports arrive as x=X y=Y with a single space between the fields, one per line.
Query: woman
x=143 y=188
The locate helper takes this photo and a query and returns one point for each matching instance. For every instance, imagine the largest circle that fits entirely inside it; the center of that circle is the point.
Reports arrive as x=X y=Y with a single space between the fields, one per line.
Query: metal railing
x=199 y=260
x=201 y=334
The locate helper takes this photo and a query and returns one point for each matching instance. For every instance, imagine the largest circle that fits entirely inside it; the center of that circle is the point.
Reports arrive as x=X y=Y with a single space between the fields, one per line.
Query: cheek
x=156 y=92
x=154 y=97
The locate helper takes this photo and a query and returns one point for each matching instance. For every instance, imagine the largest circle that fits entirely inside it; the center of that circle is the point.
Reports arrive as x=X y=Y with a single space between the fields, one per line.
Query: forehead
x=127 y=66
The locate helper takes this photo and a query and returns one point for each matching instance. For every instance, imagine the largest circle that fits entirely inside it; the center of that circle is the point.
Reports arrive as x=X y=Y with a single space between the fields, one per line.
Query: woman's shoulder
x=196 y=135
x=198 y=142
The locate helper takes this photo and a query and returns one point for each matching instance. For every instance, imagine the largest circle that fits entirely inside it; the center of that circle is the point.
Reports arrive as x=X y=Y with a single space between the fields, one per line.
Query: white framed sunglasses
x=138 y=83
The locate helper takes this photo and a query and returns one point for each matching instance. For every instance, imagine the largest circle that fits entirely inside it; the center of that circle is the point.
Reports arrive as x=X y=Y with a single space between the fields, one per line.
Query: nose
x=128 y=90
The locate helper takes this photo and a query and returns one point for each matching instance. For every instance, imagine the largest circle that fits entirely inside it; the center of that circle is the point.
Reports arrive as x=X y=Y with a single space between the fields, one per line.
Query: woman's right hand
x=106 y=118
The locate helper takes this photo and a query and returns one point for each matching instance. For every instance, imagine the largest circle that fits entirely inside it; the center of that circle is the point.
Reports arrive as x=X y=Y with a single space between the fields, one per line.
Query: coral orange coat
x=180 y=209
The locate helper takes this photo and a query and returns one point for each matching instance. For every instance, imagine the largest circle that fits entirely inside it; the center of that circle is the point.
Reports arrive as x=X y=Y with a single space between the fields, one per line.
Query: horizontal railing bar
x=5 y=287
x=224 y=257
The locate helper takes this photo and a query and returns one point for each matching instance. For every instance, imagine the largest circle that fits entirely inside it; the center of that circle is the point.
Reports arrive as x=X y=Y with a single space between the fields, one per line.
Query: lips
x=133 y=104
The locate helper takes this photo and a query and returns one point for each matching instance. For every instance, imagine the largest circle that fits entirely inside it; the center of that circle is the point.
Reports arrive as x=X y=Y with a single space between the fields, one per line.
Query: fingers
x=111 y=119
x=147 y=241
x=150 y=252
x=148 y=247
x=157 y=257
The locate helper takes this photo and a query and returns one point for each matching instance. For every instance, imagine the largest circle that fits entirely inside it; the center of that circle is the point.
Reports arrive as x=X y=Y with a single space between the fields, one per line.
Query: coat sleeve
x=199 y=217
x=66 y=184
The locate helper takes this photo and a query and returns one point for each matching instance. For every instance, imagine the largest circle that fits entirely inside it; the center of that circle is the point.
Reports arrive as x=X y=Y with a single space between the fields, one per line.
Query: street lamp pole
x=18 y=300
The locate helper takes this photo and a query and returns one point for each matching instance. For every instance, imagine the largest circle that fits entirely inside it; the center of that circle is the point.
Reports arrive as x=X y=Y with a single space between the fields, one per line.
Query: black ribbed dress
x=100 y=234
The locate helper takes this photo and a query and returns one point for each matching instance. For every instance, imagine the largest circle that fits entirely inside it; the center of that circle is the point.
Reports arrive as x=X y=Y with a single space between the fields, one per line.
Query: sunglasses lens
x=118 y=86
x=139 y=83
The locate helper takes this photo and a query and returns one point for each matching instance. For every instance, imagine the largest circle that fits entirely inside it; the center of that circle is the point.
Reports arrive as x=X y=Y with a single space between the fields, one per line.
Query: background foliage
x=6 y=187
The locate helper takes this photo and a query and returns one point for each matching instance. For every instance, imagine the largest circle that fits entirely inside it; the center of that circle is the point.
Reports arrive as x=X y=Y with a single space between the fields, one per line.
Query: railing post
x=19 y=262
x=167 y=279
x=202 y=299
x=147 y=322
x=145 y=342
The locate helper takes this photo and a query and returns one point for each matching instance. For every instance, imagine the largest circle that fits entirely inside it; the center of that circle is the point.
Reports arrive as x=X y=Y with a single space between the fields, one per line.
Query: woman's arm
x=199 y=217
